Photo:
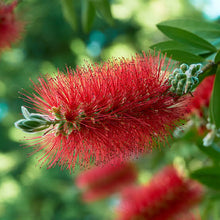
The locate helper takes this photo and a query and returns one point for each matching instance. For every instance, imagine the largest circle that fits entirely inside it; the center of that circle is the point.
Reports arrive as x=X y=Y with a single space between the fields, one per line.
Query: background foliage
x=56 y=38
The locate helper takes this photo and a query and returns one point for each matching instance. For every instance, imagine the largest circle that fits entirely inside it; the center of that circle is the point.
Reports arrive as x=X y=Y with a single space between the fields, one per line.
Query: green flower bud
x=195 y=68
x=180 y=76
x=181 y=83
x=174 y=83
x=195 y=80
x=31 y=125
x=189 y=84
x=39 y=117
x=171 y=77
x=179 y=91
x=34 y=123
x=173 y=89
x=176 y=71
x=21 y=125
x=25 y=112
x=184 y=67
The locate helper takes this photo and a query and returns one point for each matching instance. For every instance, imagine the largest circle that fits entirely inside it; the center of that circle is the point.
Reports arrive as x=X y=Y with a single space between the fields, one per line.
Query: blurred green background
x=28 y=192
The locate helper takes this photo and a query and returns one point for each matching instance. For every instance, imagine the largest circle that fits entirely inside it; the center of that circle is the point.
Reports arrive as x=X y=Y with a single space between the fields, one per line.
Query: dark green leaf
x=208 y=34
x=191 y=25
x=214 y=109
x=216 y=43
x=103 y=7
x=88 y=15
x=207 y=30
x=186 y=37
x=69 y=13
x=183 y=56
x=211 y=151
x=217 y=57
x=173 y=45
x=209 y=176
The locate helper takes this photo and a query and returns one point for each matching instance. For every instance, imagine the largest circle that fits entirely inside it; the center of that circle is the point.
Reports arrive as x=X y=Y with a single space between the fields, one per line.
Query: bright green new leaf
x=186 y=37
x=88 y=15
x=209 y=176
x=69 y=12
x=214 y=108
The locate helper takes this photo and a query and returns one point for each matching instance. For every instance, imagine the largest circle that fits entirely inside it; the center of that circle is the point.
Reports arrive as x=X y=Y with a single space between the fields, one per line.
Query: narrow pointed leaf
x=204 y=29
x=186 y=37
x=173 y=45
x=88 y=15
x=69 y=12
x=214 y=108
x=211 y=151
x=217 y=57
x=103 y=7
x=183 y=56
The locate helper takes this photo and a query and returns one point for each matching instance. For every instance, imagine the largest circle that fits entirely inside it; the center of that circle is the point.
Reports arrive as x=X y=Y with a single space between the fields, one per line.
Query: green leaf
x=103 y=7
x=190 y=24
x=209 y=176
x=183 y=56
x=209 y=34
x=186 y=37
x=173 y=45
x=69 y=13
x=214 y=108
x=207 y=30
x=210 y=151
x=217 y=57
x=88 y=15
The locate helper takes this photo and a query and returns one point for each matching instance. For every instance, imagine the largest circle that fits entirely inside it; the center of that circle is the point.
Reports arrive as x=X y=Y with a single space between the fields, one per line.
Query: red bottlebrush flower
x=202 y=96
x=100 y=182
x=103 y=112
x=168 y=196
x=10 y=27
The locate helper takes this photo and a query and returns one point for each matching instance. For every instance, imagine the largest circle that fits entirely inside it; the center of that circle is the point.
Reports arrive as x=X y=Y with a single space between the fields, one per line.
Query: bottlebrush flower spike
x=202 y=96
x=100 y=182
x=168 y=196
x=103 y=112
x=10 y=27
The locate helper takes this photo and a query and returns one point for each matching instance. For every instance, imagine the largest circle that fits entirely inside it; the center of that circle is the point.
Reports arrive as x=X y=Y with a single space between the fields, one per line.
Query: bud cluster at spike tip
x=168 y=196
x=184 y=78
x=100 y=182
x=10 y=27
x=116 y=110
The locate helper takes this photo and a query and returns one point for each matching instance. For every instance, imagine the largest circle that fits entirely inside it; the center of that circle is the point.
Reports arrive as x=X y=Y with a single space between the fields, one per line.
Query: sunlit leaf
x=209 y=176
x=186 y=37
